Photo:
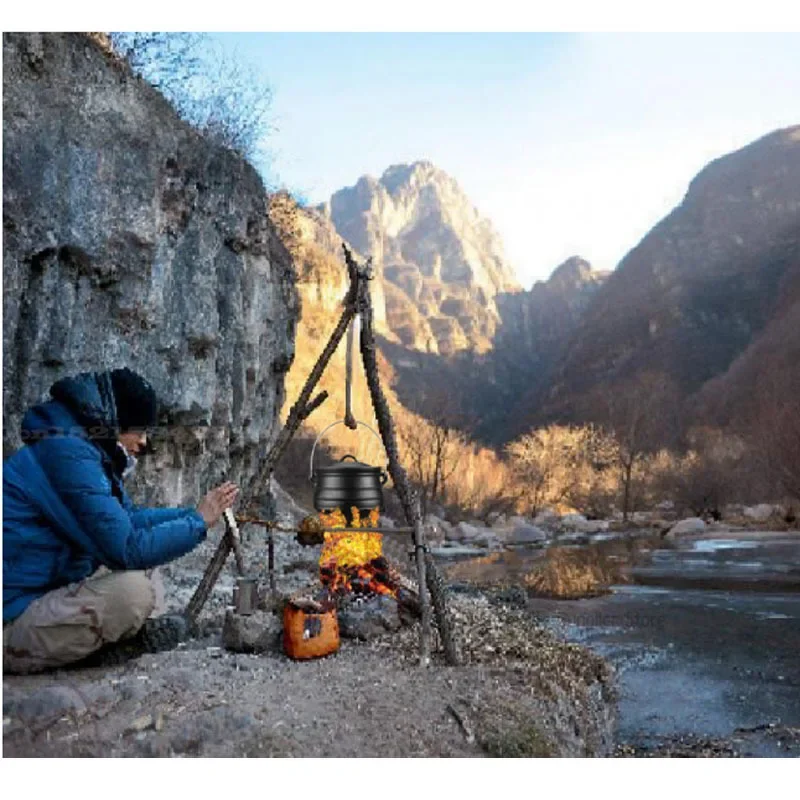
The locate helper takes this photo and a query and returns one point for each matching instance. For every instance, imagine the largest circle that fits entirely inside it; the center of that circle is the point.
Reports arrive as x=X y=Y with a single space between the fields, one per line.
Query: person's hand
x=216 y=501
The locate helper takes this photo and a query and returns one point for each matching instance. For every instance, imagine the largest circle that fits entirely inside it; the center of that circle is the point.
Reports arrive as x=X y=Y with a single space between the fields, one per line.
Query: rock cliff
x=130 y=240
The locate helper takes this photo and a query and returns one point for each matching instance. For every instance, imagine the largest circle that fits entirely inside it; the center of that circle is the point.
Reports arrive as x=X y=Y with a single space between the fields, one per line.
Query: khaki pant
x=68 y=624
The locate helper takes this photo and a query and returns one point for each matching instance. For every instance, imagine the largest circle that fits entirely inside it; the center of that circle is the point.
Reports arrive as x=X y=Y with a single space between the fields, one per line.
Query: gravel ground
x=521 y=692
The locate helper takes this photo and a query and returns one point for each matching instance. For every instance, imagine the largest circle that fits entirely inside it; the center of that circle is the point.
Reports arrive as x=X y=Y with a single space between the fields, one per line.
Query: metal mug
x=245 y=596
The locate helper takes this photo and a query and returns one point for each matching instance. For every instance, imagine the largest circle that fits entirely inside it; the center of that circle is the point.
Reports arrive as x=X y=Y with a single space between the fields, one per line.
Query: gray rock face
x=130 y=240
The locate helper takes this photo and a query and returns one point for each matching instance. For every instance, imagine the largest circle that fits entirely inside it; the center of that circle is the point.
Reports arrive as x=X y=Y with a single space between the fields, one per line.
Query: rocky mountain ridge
x=441 y=262
x=489 y=392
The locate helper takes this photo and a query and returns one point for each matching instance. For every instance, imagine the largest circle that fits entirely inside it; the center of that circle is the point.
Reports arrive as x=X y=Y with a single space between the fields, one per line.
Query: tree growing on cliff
x=219 y=95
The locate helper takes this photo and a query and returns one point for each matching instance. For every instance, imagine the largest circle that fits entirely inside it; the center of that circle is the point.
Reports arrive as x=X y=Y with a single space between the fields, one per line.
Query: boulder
x=255 y=633
x=370 y=618
x=760 y=513
x=496 y=519
x=574 y=521
x=437 y=529
x=547 y=518
x=488 y=539
x=527 y=534
x=686 y=526
x=466 y=532
x=579 y=524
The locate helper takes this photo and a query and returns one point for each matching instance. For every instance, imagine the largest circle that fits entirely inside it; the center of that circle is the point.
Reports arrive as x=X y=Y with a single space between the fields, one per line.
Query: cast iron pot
x=347 y=483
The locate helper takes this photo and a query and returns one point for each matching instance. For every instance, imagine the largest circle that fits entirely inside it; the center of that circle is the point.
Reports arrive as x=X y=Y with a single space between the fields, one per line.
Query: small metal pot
x=347 y=484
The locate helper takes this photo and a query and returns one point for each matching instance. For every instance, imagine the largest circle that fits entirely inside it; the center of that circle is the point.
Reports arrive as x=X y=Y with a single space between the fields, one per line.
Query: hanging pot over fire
x=347 y=484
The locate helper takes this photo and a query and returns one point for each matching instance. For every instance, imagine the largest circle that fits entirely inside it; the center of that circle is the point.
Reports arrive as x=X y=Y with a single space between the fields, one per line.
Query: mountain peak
x=573 y=273
x=446 y=260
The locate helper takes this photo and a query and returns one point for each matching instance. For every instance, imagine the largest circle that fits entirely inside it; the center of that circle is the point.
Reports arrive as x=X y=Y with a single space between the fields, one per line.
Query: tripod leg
x=427 y=571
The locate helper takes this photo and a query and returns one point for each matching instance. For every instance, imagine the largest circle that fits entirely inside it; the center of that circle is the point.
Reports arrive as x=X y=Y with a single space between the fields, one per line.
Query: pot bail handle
x=325 y=430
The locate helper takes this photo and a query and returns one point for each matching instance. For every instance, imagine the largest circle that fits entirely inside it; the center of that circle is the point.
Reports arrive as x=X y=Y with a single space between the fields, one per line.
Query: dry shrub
x=483 y=482
x=568 y=573
x=710 y=474
x=563 y=466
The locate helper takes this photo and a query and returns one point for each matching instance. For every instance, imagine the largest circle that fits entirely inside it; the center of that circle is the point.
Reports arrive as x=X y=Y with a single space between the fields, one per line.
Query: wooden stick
x=271 y=560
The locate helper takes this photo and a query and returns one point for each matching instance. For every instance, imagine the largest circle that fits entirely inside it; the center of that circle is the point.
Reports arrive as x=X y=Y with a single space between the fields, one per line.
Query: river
x=706 y=643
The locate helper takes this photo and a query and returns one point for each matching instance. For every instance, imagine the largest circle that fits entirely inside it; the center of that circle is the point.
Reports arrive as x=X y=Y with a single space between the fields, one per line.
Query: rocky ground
x=520 y=692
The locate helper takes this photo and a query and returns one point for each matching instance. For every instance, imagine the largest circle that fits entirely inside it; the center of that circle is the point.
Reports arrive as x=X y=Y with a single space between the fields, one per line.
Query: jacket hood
x=84 y=401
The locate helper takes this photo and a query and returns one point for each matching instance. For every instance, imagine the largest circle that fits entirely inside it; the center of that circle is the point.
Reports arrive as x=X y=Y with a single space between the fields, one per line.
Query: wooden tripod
x=357 y=302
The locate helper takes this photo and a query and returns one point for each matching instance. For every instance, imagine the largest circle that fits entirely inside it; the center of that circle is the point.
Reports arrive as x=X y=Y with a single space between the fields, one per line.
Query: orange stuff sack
x=309 y=635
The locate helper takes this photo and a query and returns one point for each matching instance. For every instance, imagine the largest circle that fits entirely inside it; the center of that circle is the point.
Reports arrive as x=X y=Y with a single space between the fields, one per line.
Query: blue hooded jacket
x=65 y=511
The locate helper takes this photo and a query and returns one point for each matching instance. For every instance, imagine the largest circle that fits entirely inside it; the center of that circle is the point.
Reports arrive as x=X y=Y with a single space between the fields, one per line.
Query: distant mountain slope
x=702 y=285
x=442 y=263
x=492 y=394
x=707 y=298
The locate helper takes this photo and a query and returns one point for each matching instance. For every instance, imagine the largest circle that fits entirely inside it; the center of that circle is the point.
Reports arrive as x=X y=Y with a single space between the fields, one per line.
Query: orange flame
x=348 y=557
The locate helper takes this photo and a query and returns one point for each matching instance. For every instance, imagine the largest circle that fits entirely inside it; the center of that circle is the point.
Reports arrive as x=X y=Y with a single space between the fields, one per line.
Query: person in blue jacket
x=77 y=553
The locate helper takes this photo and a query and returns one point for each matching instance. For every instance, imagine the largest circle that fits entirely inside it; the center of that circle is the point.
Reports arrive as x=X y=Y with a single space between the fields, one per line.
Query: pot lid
x=349 y=466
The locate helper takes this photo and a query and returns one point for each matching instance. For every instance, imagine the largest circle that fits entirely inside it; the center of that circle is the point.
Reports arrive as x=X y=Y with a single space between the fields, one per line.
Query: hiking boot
x=155 y=636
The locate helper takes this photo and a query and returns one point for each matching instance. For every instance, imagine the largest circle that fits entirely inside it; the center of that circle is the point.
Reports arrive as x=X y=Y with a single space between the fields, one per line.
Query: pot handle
x=325 y=430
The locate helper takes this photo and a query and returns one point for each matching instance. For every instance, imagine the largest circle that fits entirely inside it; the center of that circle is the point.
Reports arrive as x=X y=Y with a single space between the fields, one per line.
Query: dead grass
x=520 y=740
x=568 y=573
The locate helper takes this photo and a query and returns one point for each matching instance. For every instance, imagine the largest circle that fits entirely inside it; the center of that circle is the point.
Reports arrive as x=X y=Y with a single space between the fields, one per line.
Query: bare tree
x=704 y=478
x=544 y=463
x=433 y=447
x=776 y=431
x=219 y=95
x=642 y=415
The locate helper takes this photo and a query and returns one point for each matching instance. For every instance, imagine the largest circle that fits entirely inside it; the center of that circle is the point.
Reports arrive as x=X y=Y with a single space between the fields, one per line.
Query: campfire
x=352 y=562
x=354 y=575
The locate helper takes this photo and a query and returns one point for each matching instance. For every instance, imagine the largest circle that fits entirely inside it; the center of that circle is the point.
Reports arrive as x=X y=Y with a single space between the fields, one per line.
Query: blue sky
x=572 y=144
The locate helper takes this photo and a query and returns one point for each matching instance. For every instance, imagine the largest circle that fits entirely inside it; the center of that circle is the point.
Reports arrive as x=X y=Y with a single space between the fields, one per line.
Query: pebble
x=140 y=724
